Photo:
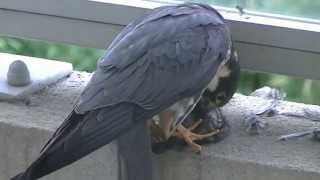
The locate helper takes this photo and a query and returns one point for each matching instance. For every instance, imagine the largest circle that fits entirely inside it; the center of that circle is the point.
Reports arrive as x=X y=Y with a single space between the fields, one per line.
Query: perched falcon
x=160 y=64
x=205 y=123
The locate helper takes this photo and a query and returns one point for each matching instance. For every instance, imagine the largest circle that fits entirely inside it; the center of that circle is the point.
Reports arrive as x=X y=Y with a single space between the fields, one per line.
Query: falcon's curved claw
x=194 y=131
x=189 y=137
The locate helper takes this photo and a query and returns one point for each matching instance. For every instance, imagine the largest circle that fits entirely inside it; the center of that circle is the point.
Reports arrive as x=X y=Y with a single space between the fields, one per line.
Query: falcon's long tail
x=134 y=154
x=78 y=136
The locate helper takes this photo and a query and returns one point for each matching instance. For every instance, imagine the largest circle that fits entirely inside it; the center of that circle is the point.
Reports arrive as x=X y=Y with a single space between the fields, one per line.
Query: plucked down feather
x=169 y=54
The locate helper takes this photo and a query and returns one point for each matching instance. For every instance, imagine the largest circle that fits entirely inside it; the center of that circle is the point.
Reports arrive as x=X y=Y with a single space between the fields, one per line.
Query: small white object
x=42 y=72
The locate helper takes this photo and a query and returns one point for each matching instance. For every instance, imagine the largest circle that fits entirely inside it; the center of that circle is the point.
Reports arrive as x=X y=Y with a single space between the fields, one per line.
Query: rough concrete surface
x=24 y=129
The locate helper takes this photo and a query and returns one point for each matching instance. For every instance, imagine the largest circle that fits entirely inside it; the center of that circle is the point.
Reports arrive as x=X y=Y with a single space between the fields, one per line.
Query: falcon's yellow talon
x=202 y=136
x=196 y=148
x=189 y=137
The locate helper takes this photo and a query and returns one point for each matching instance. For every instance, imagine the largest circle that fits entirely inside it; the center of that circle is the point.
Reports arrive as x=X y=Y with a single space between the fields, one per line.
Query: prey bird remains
x=161 y=63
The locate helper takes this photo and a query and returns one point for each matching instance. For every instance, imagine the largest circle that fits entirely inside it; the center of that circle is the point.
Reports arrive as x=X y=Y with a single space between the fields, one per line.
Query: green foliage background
x=84 y=59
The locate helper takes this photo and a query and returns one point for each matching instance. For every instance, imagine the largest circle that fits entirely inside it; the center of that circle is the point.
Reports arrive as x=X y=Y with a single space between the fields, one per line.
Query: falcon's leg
x=189 y=137
x=161 y=130
x=157 y=133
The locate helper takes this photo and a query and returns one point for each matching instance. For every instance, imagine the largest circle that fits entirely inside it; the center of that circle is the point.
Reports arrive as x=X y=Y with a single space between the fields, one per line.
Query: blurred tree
x=83 y=59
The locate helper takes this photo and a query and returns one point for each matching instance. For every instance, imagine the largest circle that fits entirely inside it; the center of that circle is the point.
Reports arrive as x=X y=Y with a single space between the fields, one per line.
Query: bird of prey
x=159 y=64
x=206 y=118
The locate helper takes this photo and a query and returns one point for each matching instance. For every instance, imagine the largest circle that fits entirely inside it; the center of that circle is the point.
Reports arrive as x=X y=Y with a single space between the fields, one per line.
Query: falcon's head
x=225 y=81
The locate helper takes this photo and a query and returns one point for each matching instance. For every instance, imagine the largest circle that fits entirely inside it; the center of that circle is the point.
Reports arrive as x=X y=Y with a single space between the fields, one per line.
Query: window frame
x=266 y=42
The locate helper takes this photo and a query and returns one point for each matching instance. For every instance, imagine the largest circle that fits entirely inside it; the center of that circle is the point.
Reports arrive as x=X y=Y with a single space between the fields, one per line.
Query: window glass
x=300 y=8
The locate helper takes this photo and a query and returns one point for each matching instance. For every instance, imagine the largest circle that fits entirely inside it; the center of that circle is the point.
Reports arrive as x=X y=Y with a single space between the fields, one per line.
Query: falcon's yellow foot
x=189 y=137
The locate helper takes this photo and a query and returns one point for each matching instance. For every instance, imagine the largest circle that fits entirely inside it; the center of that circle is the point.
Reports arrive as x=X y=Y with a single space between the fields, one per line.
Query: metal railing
x=266 y=43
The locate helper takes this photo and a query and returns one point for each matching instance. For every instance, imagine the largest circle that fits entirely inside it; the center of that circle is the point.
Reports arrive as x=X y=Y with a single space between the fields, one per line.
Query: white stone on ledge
x=25 y=128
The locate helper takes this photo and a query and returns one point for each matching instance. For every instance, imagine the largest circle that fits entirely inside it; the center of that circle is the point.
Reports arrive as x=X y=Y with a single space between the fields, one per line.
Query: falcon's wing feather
x=188 y=46
x=164 y=57
x=142 y=35
x=161 y=12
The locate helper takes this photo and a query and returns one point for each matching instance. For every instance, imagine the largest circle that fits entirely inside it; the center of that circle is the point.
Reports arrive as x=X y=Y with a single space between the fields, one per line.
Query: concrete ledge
x=24 y=128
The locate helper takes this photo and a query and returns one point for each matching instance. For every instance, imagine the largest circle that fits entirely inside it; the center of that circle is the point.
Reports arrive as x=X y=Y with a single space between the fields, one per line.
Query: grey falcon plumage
x=167 y=55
